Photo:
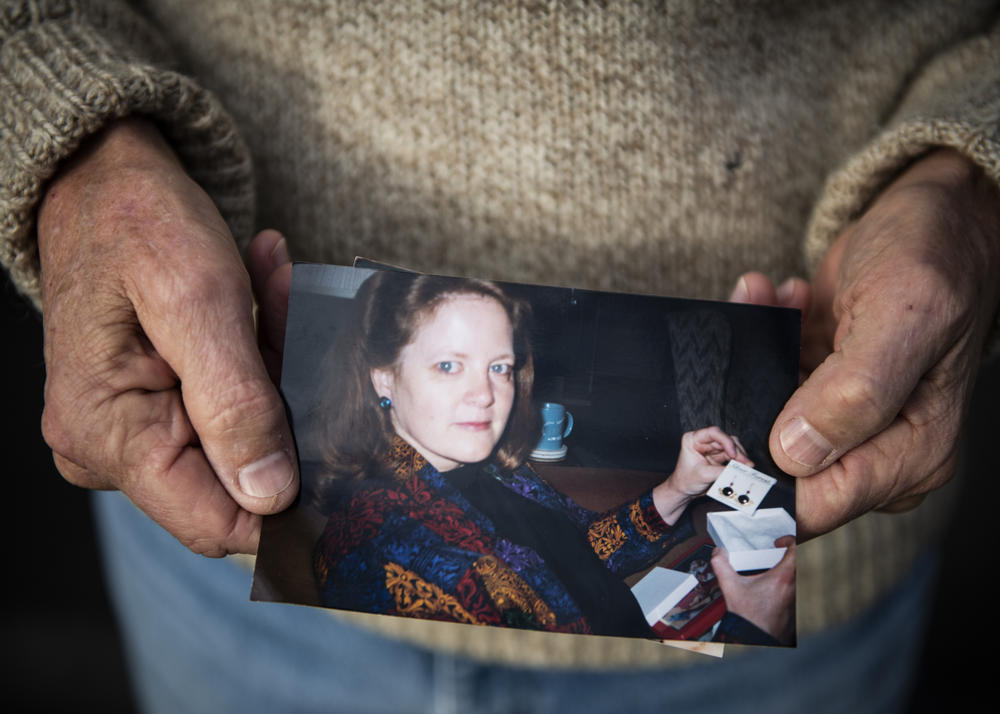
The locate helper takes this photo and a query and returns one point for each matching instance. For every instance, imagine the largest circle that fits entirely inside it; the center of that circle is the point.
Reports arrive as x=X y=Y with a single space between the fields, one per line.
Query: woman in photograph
x=433 y=510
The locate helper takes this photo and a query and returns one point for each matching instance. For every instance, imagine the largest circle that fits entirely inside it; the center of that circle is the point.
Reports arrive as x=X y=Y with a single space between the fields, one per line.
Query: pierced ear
x=383 y=382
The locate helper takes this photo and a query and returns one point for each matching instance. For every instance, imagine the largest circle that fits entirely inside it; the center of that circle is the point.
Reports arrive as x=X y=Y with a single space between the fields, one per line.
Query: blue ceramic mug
x=557 y=425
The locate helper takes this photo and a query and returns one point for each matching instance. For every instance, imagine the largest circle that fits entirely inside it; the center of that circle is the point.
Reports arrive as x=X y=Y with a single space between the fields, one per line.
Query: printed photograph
x=535 y=457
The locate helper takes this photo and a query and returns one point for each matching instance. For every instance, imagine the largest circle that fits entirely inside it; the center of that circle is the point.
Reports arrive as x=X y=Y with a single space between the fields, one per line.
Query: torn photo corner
x=485 y=453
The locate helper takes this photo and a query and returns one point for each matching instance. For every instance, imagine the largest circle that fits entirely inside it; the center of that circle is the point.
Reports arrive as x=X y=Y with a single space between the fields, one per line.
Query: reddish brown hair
x=388 y=309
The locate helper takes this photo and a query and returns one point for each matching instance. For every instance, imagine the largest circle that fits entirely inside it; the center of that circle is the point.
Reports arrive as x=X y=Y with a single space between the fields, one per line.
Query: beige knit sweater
x=603 y=145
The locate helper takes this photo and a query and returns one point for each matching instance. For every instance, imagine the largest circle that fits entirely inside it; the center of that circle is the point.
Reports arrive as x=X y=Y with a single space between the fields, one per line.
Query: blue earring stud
x=385 y=402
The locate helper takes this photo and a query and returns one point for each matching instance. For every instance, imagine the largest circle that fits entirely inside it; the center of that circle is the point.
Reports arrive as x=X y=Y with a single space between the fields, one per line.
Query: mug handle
x=569 y=424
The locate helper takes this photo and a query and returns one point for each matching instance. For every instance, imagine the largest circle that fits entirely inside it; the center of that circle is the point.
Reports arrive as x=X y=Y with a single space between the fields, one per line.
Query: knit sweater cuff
x=955 y=103
x=62 y=81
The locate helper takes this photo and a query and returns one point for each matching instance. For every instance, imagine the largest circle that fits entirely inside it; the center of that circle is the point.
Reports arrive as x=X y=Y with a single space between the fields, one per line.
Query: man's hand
x=155 y=382
x=768 y=599
x=900 y=309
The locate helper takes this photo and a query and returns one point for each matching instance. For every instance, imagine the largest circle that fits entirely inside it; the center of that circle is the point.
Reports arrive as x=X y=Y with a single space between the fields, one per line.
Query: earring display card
x=741 y=487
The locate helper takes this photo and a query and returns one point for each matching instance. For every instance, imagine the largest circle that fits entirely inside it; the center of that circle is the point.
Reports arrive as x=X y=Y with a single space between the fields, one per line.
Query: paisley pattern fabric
x=416 y=597
x=606 y=536
x=412 y=545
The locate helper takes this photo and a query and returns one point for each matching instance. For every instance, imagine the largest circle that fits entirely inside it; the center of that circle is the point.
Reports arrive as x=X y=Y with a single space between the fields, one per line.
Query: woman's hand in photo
x=702 y=457
x=768 y=599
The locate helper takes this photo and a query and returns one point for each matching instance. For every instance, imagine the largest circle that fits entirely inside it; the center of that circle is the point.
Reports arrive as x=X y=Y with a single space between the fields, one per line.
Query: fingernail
x=279 y=253
x=804 y=444
x=267 y=477
x=785 y=291
x=741 y=293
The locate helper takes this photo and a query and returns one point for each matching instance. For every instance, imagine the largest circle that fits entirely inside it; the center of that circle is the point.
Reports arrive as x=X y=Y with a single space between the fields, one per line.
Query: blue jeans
x=196 y=643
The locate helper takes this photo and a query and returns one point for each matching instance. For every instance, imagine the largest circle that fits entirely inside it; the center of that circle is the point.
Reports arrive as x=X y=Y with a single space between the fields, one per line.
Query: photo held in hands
x=532 y=457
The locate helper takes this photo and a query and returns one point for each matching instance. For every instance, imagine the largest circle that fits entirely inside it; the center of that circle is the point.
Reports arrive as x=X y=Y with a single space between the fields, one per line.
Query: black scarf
x=606 y=602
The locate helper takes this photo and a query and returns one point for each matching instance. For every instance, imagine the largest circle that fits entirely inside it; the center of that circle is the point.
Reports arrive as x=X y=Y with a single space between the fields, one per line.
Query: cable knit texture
x=660 y=149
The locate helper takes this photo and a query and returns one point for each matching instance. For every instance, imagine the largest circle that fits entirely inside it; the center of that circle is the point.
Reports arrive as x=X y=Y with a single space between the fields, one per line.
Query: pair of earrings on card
x=741 y=487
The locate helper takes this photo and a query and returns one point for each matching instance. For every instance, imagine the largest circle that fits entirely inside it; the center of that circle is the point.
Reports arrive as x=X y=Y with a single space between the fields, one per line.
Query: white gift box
x=660 y=590
x=749 y=540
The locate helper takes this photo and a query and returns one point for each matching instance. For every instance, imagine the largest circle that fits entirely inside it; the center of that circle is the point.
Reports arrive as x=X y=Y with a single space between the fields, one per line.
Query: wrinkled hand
x=155 y=382
x=768 y=599
x=701 y=459
x=900 y=309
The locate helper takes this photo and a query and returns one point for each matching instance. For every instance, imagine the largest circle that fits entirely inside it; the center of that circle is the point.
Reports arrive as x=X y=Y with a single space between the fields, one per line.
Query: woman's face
x=453 y=386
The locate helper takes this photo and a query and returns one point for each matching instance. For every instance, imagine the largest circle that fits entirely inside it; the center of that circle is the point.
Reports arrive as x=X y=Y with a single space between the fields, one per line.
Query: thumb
x=882 y=351
x=787 y=562
x=784 y=541
x=208 y=339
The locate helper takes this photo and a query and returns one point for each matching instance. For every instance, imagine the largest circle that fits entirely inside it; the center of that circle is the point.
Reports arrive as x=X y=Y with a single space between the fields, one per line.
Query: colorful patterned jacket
x=414 y=546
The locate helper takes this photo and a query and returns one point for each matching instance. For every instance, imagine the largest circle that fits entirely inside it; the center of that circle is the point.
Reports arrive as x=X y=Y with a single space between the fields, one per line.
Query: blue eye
x=448 y=367
x=502 y=369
